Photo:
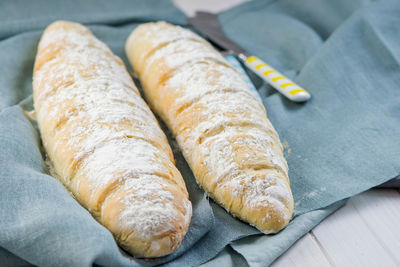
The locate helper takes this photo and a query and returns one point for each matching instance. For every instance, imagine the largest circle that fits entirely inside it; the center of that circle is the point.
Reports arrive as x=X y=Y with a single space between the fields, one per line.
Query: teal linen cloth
x=342 y=142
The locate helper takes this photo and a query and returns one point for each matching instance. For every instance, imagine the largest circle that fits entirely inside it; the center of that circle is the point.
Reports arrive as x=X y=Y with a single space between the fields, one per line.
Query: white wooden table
x=365 y=232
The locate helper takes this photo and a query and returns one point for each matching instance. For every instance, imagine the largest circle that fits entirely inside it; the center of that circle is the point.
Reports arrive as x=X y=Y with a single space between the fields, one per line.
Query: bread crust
x=220 y=125
x=104 y=143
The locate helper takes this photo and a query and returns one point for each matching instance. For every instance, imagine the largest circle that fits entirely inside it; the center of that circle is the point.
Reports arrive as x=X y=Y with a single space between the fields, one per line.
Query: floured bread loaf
x=220 y=126
x=104 y=143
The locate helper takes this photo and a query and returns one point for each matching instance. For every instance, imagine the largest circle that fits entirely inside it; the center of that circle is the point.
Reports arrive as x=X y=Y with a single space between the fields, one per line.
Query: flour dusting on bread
x=105 y=144
x=219 y=124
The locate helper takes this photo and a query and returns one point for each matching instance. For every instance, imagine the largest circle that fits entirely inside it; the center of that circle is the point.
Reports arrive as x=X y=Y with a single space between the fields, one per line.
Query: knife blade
x=208 y=24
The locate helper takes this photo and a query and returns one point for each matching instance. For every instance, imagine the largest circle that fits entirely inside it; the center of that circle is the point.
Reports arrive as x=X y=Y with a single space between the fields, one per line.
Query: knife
x=208 y=24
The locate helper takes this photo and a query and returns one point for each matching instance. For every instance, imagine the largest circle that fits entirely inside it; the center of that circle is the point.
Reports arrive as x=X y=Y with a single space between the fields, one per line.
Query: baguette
x=219 y=124
x=104 y=143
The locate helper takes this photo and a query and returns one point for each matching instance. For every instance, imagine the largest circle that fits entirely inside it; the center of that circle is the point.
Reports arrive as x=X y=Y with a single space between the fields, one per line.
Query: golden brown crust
x=104 y=143
x=221 y=127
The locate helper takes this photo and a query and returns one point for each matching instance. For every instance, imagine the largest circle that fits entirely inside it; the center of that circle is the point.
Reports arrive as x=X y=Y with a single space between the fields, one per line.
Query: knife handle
x=281 y=83
x=234 y=62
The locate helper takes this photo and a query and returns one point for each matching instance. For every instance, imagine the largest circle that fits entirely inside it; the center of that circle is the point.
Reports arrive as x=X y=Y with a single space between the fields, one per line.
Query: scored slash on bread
x=220 y=126
x=104 y=143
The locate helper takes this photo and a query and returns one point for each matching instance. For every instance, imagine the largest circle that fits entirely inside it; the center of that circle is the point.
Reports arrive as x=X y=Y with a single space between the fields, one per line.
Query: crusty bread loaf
x=220 y=125
x=104 y=143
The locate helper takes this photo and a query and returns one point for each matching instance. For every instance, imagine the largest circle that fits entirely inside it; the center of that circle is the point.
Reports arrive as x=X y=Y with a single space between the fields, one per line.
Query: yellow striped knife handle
x=281 y=83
